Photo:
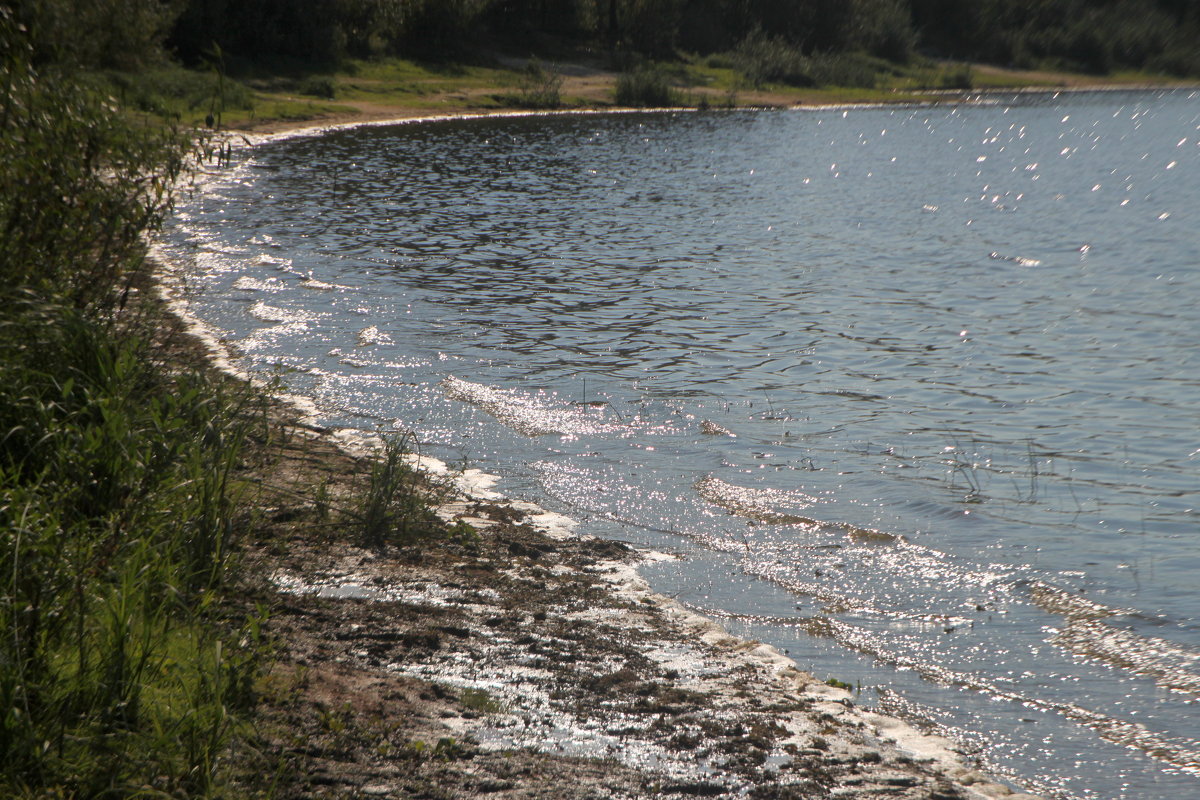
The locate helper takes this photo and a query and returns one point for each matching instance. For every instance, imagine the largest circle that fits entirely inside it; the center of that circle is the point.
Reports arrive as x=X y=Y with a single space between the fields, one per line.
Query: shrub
x=318 y=86
x=767 y=59
x=842 y=69
x=539 y=87
x=647 y=86
x=78 y=185
x=120 y=672
x=959 y=76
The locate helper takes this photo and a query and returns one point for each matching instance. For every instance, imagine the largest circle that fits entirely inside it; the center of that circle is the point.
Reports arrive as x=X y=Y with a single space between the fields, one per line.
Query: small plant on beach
x=480 y=700
x=449 y=749
x=394 y=508
x=322 y=500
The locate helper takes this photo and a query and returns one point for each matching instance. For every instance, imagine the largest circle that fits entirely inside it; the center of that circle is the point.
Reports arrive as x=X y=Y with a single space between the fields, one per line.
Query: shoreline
x=858 y=753
x=384 y=115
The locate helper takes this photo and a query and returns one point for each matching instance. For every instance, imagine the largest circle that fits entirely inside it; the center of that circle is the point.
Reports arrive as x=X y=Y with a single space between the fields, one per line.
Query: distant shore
x=593 y=90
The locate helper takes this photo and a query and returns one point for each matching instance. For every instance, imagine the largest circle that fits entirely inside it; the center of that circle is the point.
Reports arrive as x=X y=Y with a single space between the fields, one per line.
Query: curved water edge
x=843 y=549
x=623 y=579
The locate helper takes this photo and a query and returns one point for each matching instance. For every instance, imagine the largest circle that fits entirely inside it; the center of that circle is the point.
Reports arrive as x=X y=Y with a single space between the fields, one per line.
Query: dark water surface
x=915 y=392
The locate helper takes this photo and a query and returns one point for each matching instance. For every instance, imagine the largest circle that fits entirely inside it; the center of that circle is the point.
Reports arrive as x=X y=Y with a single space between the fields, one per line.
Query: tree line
x=1090 y=35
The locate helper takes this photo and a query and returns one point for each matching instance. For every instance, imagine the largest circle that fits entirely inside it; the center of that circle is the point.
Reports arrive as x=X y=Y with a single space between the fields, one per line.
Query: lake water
x=914 y=392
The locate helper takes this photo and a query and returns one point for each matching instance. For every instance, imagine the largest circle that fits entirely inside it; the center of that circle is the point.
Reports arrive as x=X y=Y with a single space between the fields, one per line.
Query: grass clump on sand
x=395 y=506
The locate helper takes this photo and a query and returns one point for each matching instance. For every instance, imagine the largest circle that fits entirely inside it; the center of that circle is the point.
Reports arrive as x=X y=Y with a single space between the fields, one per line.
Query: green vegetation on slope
x=121 y=672
x=130 y=651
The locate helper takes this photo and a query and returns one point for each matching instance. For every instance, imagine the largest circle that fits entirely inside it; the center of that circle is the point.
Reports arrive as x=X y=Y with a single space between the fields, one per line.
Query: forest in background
x=1093 y=36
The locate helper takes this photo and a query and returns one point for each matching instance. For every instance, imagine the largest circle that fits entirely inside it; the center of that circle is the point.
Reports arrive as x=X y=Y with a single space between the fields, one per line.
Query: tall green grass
x=124 y=668
x=174 y=92
x=121 y=672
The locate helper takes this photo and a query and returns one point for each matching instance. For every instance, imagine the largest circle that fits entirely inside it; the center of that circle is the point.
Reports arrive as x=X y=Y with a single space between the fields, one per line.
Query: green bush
x=646 y=86
x=78 y=185
x=843 y=69
x=539 y=87
x=959 y=76
x=766 y=59
x=318 y=86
